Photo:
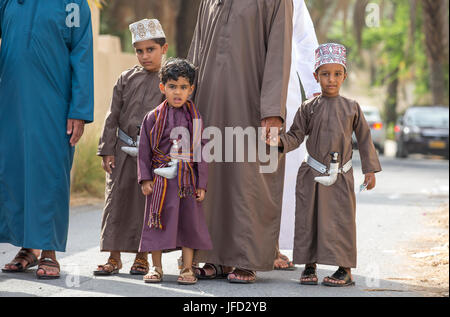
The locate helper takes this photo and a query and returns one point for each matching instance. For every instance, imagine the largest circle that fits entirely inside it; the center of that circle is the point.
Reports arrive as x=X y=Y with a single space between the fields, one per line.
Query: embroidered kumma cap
x=331 y=53
x=147 y=29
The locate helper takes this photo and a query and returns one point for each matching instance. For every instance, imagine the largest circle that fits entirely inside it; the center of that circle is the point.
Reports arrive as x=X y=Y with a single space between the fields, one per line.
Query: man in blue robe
x=46 y=97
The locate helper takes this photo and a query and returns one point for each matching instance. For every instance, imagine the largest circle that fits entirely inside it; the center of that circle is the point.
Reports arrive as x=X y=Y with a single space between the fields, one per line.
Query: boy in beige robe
x=135 y=94
x=325 y=228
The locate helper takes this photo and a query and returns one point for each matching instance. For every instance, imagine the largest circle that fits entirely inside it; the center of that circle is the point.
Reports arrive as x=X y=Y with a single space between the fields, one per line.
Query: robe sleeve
x=202 y=168
x=145 y=171
x=2 y=6
x=194 y=55
x=278 y=61
x=81 y=61
x=369 y=158
x=296 y=134
x=305 y=43
x=108 y=140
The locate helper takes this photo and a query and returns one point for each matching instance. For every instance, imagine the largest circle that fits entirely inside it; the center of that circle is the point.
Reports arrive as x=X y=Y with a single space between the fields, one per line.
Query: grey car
x=377 y=129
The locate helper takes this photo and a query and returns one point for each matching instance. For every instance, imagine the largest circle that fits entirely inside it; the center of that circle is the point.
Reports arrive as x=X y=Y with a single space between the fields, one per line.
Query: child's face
x=149 y=54
x=331 y=77
x=177 y=92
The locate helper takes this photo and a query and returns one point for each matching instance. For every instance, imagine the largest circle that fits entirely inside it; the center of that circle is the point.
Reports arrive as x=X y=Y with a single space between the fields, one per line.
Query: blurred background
x=398 y=68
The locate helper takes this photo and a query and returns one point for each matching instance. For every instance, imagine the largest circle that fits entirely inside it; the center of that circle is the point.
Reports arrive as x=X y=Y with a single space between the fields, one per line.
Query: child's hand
x=370 y=181
x=147 y=188
x=273 y=140
x=108 y=163
x=200 y=194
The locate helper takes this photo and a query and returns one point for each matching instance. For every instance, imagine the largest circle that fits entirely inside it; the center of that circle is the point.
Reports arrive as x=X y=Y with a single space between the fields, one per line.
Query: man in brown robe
x=243 y=51
x=135 y=94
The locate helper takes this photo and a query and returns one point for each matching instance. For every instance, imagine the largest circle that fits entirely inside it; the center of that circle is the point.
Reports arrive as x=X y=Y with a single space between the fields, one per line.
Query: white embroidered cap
x=147 y=29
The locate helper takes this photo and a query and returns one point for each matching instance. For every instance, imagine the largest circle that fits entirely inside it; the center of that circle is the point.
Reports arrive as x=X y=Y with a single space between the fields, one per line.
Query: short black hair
x=161 y=41
x=175 y=68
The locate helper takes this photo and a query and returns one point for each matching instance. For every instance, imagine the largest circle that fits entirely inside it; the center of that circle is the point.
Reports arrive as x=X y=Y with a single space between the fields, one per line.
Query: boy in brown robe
x=135 y=94
x=325 y=228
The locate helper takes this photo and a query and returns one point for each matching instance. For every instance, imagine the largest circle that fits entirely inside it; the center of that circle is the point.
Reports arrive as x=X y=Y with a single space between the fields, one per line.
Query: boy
x=135 y=94
x=325 y=214
x=174 y=217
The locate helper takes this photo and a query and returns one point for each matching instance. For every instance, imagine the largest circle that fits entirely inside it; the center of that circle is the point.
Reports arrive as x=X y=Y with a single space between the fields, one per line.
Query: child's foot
x=187 y=277
x=309 y=275
x=154 y=276
x=140 y=265
x=112 y=267
x=341 y=278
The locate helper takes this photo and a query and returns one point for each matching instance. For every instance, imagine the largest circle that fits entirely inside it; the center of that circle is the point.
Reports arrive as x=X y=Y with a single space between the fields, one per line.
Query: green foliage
x=88 y=176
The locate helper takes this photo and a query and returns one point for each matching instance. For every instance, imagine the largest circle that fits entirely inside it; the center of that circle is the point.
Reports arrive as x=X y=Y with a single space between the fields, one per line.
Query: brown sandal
x=186 y=273
x=23 y=254
x=49 y=262
x=112 y=263
x=139 y=264
x=239 y=271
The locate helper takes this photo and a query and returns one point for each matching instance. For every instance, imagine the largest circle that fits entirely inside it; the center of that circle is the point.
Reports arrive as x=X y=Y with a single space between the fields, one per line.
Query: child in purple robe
x=174 y=216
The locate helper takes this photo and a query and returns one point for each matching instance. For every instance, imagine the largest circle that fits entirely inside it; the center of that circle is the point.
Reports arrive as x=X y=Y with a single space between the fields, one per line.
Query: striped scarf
x=186 y=174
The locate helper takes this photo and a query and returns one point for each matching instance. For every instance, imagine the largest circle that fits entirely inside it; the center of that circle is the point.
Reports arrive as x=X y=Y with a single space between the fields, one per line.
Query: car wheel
x=401 y=150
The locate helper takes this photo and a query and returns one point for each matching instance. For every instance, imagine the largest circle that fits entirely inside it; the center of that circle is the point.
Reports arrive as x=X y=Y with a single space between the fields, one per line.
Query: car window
x=428 y=118
x=372 y=115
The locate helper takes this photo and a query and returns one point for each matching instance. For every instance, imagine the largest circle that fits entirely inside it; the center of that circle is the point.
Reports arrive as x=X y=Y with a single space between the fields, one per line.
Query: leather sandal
x=140 y=264
x=310 y=273
x=219 y=272
x=290 y=264
x=113 y=264
x=155 y=272
x=340 y=275
x=187 y=273
x=236 y=271
x=23 y=254
x=48 y=262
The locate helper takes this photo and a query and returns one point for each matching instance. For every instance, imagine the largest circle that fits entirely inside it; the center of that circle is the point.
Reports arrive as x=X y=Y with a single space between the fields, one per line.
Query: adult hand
x=370 y=181
x=147 y=188
x=267 y=124
x=108 y=163
x=76 y=129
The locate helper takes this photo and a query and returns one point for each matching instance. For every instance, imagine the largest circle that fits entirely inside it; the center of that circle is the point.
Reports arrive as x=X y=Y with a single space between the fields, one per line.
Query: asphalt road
x=388 y=217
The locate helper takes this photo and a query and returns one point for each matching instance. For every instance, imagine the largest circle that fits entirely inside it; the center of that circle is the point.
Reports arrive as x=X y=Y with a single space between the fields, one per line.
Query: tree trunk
x=390 y=107
x=436 y=49
x=359 y=21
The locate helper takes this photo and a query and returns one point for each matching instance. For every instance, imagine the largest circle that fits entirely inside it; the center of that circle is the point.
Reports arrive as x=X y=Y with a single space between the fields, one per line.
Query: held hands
x=76 y=129
x=147 y=187
x=370 y=181
x=267 y=124
x=108 y=163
